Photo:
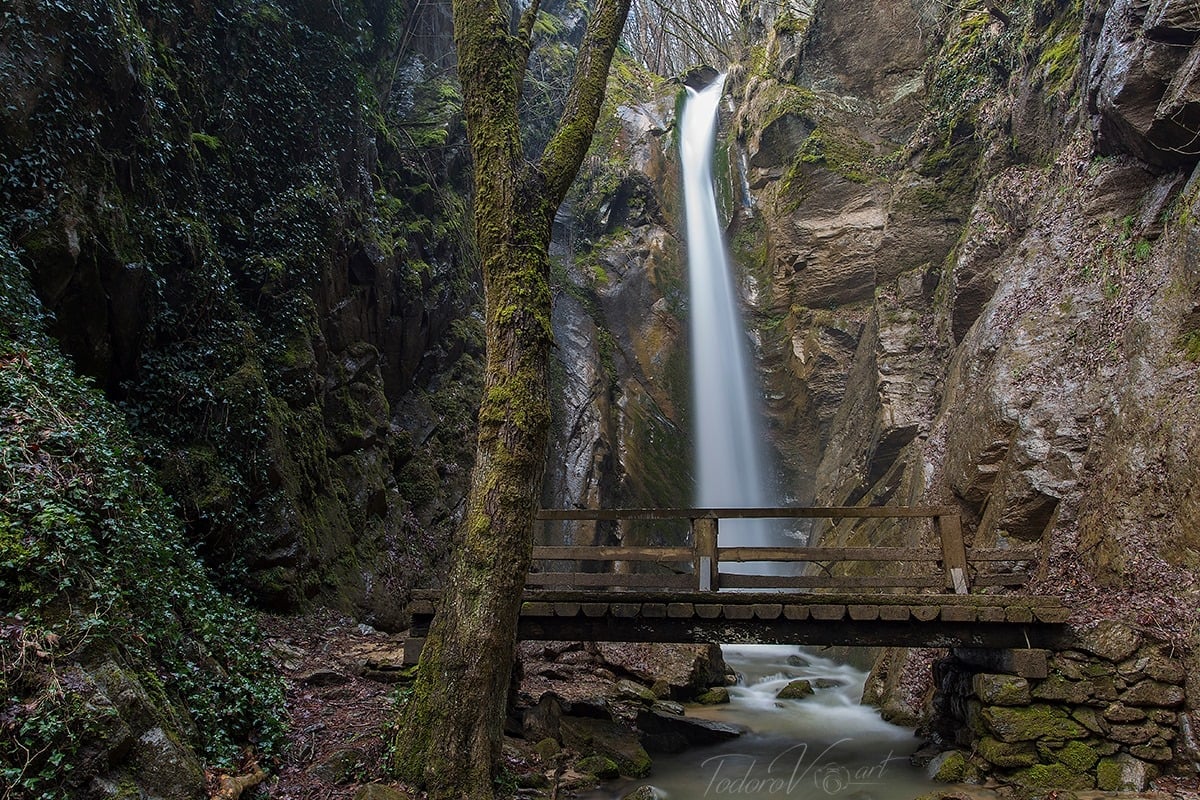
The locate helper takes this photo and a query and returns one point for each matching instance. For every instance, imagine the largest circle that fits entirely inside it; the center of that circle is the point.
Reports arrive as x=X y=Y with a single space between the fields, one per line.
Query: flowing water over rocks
x=823 y=745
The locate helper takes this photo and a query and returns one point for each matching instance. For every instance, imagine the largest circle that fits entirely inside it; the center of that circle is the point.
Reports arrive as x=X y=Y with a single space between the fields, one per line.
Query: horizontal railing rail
x=951 y=560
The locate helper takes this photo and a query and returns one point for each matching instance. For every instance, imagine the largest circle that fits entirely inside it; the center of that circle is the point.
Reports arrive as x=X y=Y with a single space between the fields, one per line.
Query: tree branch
x=490 y=67
x=564 y=152
x=525 y=32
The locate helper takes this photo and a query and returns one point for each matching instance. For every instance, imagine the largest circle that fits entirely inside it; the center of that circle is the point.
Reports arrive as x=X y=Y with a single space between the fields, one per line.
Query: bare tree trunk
x=450 y=735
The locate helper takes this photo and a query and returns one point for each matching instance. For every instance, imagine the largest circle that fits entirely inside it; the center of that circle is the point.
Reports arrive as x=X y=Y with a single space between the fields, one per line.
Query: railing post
x=704 y=538
x=954 y=553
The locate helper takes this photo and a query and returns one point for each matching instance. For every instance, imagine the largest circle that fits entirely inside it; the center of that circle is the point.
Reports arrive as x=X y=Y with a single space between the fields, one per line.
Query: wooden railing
x=699 y=563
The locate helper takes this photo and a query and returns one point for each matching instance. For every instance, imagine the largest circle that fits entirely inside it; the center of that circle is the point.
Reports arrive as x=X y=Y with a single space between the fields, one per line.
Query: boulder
x=795 y=690
x=714 y=696
x=628 y=690
x=670 y=733
x=600 y=766
x=609 y=739
x=687 y=669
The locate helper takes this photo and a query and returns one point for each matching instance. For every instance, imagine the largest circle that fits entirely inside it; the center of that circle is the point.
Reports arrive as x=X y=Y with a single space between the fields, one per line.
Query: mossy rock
x=600 y=766
x=1052 y=776
x=796 y=690
x=378 y=791
x=609 y=739
x=1007 y=754
x=1124 y=773
x=1039 y=721
x=547 y=750
x=1078 y=756
x=714 y=696
x=948 y=767
x=1001 y=690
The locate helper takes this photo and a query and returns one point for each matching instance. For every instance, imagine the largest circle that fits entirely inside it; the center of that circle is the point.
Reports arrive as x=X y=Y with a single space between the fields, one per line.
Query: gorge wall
x=971 y=260
x=235 y=323
x=979 y=284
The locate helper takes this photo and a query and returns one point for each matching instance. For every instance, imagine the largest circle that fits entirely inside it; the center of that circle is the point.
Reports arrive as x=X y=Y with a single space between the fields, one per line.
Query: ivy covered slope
x=121 y=666
x=243 y=219
x=236 y=360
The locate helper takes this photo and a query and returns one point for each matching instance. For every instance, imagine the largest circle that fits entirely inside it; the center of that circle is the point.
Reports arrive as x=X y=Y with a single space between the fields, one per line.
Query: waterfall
x=730 y=453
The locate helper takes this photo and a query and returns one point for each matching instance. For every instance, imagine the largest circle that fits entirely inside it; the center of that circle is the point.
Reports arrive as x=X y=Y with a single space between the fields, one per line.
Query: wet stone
x=795 y=690
x=1153 y=693
x=1119 y=712
x=1111 y=640
x=1124 y=773
x=1037 y=721
x=714 y=696
x=1149 y=752
x=1001 y=690
x=1091 y=719
x=1007 y=754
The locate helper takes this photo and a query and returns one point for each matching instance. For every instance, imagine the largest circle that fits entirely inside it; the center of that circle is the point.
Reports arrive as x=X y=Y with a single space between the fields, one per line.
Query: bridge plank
x=742 y=554
x=827 y=612
x=692 y=595
x=567 y=609
x=805 y=512
x=1018 y=614
x=594 y=609
x=996 y=554
x=991 y=614
x=767 y=611
x=893 y=613
x=925 y=613
x=1052 y=615
x=731 y=611
x=860 y=613
x=680 y=610
x=597 y=553
x=536 y=609
x=795 y=612
x=733 y=581
x=609 y=579
x=709 y=610
x=957 y=613
x=626 y=610
x=654 y=610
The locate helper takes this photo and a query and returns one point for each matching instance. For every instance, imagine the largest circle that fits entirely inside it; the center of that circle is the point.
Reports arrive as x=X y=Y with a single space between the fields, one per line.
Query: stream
x=825 y=745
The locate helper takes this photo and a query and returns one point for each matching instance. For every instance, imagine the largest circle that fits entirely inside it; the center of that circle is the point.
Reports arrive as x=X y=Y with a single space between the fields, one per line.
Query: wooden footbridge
x=902 y=596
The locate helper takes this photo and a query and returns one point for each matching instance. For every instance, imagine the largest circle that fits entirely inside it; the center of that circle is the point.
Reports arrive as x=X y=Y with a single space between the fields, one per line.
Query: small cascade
x=731 y=461
x=817 y=747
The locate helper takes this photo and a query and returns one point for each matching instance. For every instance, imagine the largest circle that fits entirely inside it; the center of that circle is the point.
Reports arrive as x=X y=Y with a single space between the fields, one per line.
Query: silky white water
x=823 y=746
x=730 y=452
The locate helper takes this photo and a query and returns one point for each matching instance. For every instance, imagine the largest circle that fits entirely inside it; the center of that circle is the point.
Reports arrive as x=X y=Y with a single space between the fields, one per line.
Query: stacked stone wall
x=1103 y=715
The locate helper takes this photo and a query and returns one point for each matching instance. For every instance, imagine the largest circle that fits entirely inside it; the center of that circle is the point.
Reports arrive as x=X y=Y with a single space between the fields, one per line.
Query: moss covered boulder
x=1038 y=721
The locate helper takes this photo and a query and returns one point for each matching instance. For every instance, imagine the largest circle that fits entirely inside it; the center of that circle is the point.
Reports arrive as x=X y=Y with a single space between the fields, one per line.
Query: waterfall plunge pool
x=823 y=746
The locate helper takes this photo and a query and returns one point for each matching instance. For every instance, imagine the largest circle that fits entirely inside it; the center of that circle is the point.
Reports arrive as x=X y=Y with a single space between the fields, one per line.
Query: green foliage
x=1190 y=344
x=226 y=189
x=93 y=564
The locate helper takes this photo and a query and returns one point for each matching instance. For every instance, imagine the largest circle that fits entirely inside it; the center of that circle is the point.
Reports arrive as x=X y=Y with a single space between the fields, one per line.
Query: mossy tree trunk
x=450 y=733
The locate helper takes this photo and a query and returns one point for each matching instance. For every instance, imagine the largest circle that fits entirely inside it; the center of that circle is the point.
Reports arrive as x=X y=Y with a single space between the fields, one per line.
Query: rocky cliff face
x=246 y=222
x=622 y=383
x=970 y=257
x=235 y=322
x=982 y=281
